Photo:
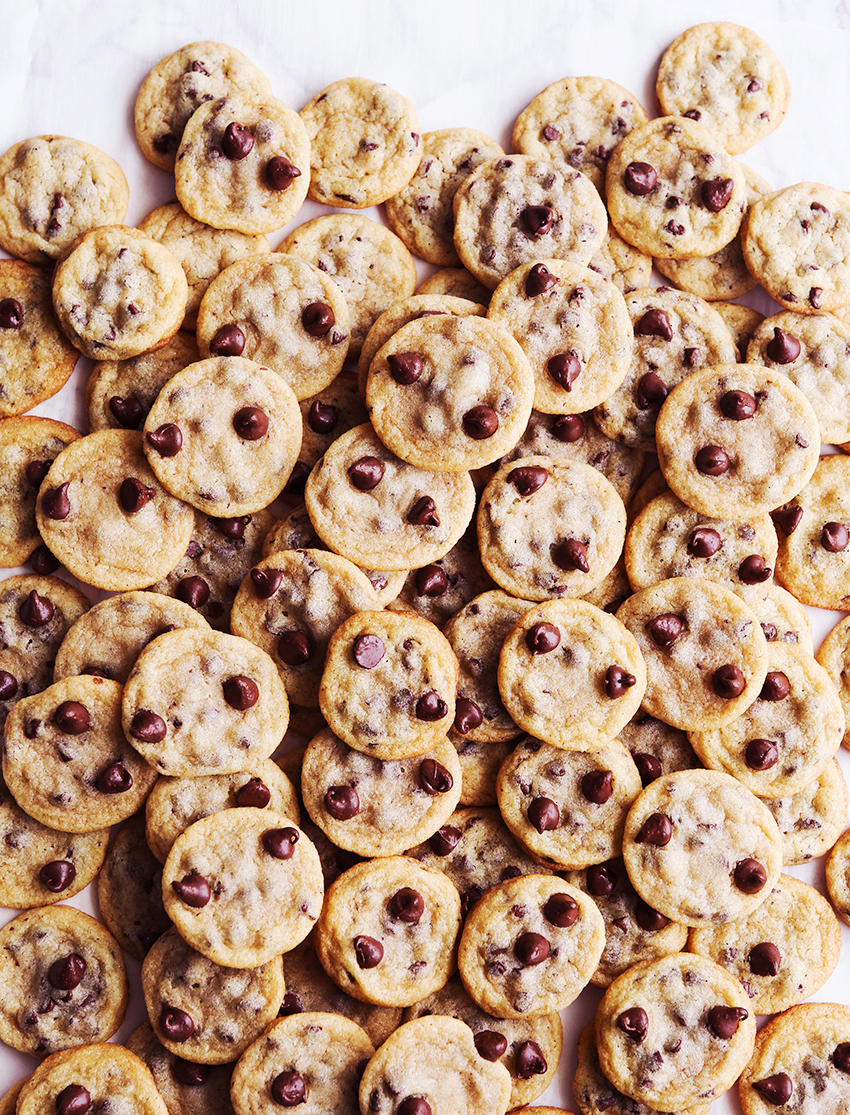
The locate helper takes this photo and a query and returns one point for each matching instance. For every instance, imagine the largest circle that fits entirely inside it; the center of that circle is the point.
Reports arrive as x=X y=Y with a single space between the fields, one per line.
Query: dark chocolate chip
x=147 y=727
x=618 y=681
x=289 y=1089
x=366 y=473
x=114 y=779
x=841 y=1057
x=834 y=537
x=728 y=681
x=528 y=479
x=318 y=319
x=167 y=440
x=530 y=1060
x=651 y=391
x=693 y=114
x=664 y=630
x=73 y=1100
x=297 y=481
x=35 y=472
x=445 y=840
x=342 y=802
x=657 y=830
x=816 y=297
x=57 y=875
x=564 y=368
x=569 y=428
x=237 y=142
x=480 y=422
x=407 y=905
x=431 y=581
x=251 y=423
x=368 y=951
x=232 y=528
x=266 y=582
x=716 y=193
x=43 y=562
x=704 y=542
x=597 y=786
x=649 y=920
x=750 y=876
x=255 y=794
x=133 y=495
x=368 y=650
x=66 y=973
x=712 y=460
x=634 y=1023
x=468 y=715
x=176 y=1024
x=761 y=754
x=787 y=519
x=295 y=647
x=649 y=766
x=784 y=348
x=654 y=323
x=414 y=1105
x=424 y=513
x=228 y=341
x=776 y=686
x=322 y=418
x=550 y=133
x=571 y=556
x=538 y=219
x=8 y=685
x=737 y=405
x=600 y=880
x=72 y=718
x=280 y=843
x=405 y=367
x=764 y=959
x=36 y=611
x=292 y=1004
x=281 y=173
x=490 y=1045
x=544 y=814
x=542 y=638
x=240 y=692
x=55 y=502
x=189 y=1074
x=775 y=1090
x=724 y=1021
x=753 y=570
x=193 y=889
x=640 y=179
x=538 y=280
x=434 y=778
x=531 y=949
x=11 y=314
x=193 y=591
x=561 y=910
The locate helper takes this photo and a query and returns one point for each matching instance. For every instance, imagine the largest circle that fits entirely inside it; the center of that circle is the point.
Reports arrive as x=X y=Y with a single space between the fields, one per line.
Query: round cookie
x=783 y=952
x=421 y=211
x=129 y=890
x=55 y=188
x=838 y=876
x=691 y=880
x=27 y=447
x=279 y=311
x=673 y=191
x=312 y=1061
x=224 y=434
x=574 y=328
x=621 y=264
x=519 y=209
x=324 y=416
x=579 y=696
x=811 y=820
x=530 y=946
x=657 y=748
x=221 y=703
x=457 y=282
x=179 y=84
x=737 y=440
x=690 y=1008
x=187 y=1088
x=833 y=655
x=64 y=983
x=784 y=619
x=396 y=804
x=578 y=121
x=242 y=163
x=66 y=760
x=102 y=1071
x=741 y=321
x=242 y=886
x=202 y=1011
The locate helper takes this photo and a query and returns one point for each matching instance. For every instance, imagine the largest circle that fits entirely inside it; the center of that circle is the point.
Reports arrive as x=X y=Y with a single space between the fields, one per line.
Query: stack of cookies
x=557 y=715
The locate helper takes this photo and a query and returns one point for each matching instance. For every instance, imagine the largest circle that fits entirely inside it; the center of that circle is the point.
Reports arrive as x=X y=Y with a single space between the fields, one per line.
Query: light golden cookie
x=93 y=1075
x=811 y=820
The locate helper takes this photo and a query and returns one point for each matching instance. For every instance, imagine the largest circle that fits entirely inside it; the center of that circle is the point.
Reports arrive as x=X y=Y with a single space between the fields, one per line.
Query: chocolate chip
x=816 y=297
x=571 y=556
x=490 y=1045
x=528 y=479
x=72 y=718
x=11 y=314
x=405 y=367
x=147 y=727
x=784 y=348
x=414 y=1105
x=431 y=581
x=634 y=1023
x=35 y=472
x=342 y=802
x=295 y=647
x=434 y=778
x=445 y=840
x=368 y=951
x=232 y=528
x=8 y=685
x=764 y=959
x=717 y=193
x=538 y=280
x=550 y=133
x=176 y=1024
x=654 y=323
x=544 y=814
x=776 y=686
x=280 y=843
x=664 y=630
x=649 y=920
x=651 y=391
x=617 y=682
x=292 y=1004
x=704 y=542
x=600 y=880
x=649 y=766
x=55 y=502
x=193 y=591
x=266 y=582
x=318 y=319
x=73 y=1100
x=366 y=473
x=281 y=173
x=407 y=905
x=531 y=949
x=750 y=876
x=57 y=875
x=761 y=754
x=289 y=1089
x=424 y=513
x=564 y=368
x=237 y=142
x=255 y=794
x=561 y=910
x=167 y=440
x=542 y=638
x=322 y=418
x=834 y=537
x=775 y=1090
x=36 y=611
x=737 y=405
x=753 y=570
x=693 y=114
x=368 y=650
x=480 y=422
x=67 y=973
x=724 y=1021
x=568 y=428
x=529 y=1060
x=43 y=562
x=657 y=830
x=133 y=495
x=841 y=1057
x=712 y=460
x=297 y=481
x=787 y=519
x=468 y=715
x=251 y=423
x=597 y=786
x=728 y=681
x=193 y=889
x=538 y=219
x=189 y=1074
x=240 y=692
x=228 y=341
x=640 y=179
x=114 y=779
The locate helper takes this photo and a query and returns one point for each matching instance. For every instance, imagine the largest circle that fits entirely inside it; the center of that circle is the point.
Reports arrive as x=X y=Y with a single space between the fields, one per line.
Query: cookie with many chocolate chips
x=811 y=820
x=129 y=890
x=186 y=1087
x=99 y=1074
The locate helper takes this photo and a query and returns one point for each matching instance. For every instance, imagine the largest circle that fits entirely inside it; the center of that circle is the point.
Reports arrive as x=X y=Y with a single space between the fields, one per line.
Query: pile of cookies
x=565 y=728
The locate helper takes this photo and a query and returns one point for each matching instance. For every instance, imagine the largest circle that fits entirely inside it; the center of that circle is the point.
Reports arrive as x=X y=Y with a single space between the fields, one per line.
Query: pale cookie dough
x=690 y=879
x=834 y=655
x=838 y=876
x=55 y=188
x=621 y=264
x=187 y=1088
x=106 y=1073
x=118 y=293
x=783 y=952
x=530 y=946
x=129 y=890
x=243 y=886
x=674 y=1032
x=519 y=209
x=576 y=333
x=784 y=619
x=220 y=701
x=421 y=211
x=811 y=820
x=571 y=675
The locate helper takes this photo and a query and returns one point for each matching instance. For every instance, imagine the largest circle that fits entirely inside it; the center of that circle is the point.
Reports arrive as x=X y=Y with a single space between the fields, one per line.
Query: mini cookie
x=378 y=807
x=279 y=311
x=421 y=211
x=118 y=293
x=312 y=1061
x=54 y=189
x=673 y=191
x=380 y=511
x=27 y=448
x=784 y=619
x=176 y=803
x=801 y=1053
x=813 y=537
x=104 y=514
x=519 y=209
x=726 y=77
x=179 y=84
x=104 y=1073
x=66 y=760
x=783 y=741
x=621 y=264
x=690 y=1008
x=242 y=163
x=657 y=748
x=119 y=393
x=574 y=328
x=40 y=864
x=369 y=264
x=224 y=434
x=813 y=350
x=291 y=603
x=221 y=703
x=669 y=539
x=242 y=886
x=833 y=655
x=578 y=121
x=634 y=931
x=838 y=876
x=550 y=527
x=434 y=1062
x=741 y=321
x=35 y=615
x=324 y=416
x=737 y=440
x=529 y=1048
x=457 y=282
x=64 y=981
x=387 y=931
x=129 y=890
x=530 y=946
x=204 y=1012
x=568 y=808
x=686 y=878
x=187 y=1088
x=783 y=952
x=106 y=641
x=674 y=334
x=202 y=250
x=479 y=764
x=571 y=675
x=797 y=244
x=811 y=820
x=364 y=143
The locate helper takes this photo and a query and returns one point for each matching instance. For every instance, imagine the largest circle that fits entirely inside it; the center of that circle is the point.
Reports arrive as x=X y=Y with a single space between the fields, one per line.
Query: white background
x=71 y=68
